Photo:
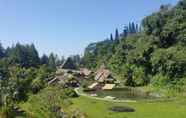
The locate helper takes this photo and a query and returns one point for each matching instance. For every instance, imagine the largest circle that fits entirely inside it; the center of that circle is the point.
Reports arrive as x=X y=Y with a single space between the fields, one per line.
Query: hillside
x=153 y=55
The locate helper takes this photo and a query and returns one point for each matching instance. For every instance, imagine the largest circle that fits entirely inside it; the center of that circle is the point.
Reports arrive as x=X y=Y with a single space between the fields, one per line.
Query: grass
x=37 y=107
x=144 y=109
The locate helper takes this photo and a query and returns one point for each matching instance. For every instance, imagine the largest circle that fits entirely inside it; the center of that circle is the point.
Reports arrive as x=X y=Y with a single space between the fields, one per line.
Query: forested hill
x=155 y=53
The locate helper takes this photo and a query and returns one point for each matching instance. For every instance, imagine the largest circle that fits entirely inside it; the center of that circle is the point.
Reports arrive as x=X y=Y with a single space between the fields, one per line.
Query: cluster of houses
x=67 y=75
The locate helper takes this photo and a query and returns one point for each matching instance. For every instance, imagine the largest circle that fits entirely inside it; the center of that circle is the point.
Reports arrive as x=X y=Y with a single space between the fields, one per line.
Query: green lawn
x=37 y=106
x=144 y=109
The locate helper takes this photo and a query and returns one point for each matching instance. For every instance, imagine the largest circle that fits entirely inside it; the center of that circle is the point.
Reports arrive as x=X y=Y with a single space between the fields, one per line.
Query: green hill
x=153 y=54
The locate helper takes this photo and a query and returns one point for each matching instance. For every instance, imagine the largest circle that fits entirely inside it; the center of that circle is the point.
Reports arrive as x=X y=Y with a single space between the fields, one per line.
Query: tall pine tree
x=133 y=30
x=125 y=31
x=2 y=51
x=44 y=60
x=23 y=55
x=111 y=37
x=33 y=56
x=116 y=35
x=52 y=61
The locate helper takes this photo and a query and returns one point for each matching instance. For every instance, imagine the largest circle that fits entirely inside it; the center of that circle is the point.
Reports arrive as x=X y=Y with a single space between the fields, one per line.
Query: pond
x=123 y=93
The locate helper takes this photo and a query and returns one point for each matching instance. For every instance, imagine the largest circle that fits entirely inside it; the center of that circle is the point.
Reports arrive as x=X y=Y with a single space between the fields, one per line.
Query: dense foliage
x=153 y=53
x=22 y=72
x=24 y=75
x=51 y=102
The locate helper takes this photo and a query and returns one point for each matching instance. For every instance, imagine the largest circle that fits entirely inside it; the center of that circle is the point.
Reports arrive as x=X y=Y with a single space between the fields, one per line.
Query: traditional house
x=92 y=86
x=86 y=73
x=66 y=81
x=55 y=80
x=104 y=76
x=108 y=86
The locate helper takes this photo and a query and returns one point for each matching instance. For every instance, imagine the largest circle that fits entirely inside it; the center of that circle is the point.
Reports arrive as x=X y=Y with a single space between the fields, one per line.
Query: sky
x=66 y=27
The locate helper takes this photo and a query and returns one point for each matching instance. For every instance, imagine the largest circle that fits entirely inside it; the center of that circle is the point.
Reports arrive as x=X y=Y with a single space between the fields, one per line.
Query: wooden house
x=104 y=76
x=86 y=73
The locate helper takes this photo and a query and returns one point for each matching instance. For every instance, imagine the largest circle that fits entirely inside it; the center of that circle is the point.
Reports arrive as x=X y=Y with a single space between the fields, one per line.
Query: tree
x=2 y=51
x=62 y=60
x=70 y=63
x=76 y=59
x=133 y=30
x=57 y=61
x=116 y=35
x=44 y=59
x=52 y=62
x=23 y=55
x=182 y=4
x=136 y=28
x=111 y=37
x=130 y=27
x=125 y=31
x=33 y=56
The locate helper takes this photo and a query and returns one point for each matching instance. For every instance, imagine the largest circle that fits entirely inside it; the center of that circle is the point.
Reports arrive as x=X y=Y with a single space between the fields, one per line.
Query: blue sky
x=66 y=27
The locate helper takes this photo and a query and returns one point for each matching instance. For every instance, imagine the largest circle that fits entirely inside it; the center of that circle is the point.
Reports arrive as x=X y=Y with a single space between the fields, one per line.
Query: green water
x=123 y=93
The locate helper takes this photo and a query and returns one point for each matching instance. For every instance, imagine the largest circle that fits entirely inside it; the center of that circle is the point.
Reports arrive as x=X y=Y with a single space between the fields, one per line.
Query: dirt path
x=98 y=98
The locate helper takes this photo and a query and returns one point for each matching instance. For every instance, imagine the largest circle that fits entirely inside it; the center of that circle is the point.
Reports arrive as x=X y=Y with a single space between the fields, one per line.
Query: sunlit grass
x=144 y=109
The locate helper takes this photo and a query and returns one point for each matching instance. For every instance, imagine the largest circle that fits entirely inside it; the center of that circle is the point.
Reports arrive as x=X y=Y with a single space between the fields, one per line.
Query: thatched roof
x=57 y=79
x=108 y=86
x=85 y=71
x=53 y=81
x=102 y=74
x=93 y=85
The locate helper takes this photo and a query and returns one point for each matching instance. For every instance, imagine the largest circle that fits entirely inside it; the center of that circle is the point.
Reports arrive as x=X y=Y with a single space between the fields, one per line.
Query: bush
x=57 y=112
x=70 y=92
x=170 y=86
x=37 y=85
x=159 y=80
